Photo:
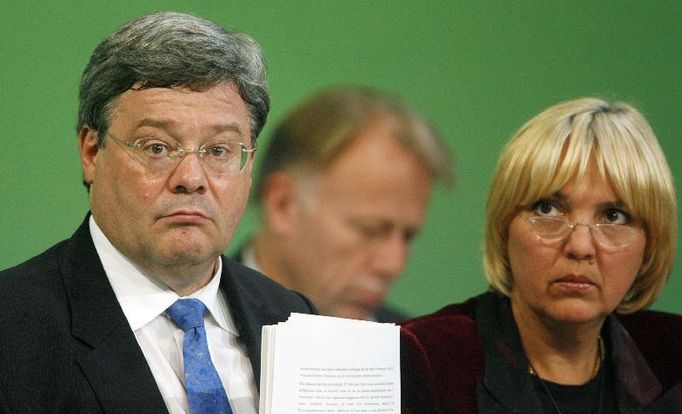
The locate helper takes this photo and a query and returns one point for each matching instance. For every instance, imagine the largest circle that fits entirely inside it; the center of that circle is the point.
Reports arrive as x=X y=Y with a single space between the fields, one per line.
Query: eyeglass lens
x=608 y=235
x=162 y=156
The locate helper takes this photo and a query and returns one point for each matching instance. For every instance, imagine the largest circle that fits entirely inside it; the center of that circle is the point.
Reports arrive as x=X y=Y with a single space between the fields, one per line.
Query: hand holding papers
x=322 y=364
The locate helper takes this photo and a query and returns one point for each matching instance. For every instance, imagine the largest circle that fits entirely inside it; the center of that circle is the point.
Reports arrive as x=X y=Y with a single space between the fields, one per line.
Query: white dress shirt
x=144 y=300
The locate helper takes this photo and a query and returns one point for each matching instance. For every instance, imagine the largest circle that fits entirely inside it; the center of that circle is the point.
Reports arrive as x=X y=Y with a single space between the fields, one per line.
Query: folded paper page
x=321 y=364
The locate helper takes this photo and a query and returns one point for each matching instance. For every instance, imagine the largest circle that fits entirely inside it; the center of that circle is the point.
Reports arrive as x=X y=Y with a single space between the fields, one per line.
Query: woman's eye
x=545 y=208
x=615 y=216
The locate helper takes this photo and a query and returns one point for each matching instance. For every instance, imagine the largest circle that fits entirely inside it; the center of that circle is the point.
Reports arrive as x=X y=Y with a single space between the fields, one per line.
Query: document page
x=320 y=364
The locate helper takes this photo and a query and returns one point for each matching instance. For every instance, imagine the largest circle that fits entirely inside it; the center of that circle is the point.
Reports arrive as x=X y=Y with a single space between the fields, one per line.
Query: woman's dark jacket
x=467 y=358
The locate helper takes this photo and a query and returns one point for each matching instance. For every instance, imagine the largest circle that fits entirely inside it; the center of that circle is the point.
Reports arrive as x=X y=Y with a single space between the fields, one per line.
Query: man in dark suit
x=343 y=189
x=170 y=109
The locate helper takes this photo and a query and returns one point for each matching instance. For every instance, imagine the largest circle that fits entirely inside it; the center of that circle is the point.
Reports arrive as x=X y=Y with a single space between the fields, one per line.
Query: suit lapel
x=249 y=311
x=111 y=359
x=506 y=387
x=636 y=384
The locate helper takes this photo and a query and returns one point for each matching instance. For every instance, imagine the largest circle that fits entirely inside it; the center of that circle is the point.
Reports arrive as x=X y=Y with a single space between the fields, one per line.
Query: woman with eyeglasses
x=579 y=240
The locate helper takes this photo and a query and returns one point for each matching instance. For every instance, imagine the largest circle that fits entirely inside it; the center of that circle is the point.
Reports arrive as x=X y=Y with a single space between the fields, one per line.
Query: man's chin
x=191 y=239
x=356 y=311
x=187 y=254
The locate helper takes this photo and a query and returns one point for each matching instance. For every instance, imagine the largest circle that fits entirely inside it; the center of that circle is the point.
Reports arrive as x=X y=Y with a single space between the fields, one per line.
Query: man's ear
x=281 y=202
x=88 y=148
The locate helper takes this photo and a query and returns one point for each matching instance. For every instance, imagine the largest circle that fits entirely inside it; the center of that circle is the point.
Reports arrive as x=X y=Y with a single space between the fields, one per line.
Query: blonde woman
x=580 y=231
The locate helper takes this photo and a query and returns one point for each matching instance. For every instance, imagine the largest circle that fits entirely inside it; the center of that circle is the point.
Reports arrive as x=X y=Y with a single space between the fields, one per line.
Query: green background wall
x=478 y=69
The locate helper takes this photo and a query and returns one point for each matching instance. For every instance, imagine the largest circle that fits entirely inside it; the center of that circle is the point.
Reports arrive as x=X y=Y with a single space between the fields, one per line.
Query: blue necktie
x=205 y=392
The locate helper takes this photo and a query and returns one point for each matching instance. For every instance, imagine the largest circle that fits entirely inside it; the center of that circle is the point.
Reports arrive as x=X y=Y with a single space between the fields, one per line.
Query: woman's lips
x=575 y=283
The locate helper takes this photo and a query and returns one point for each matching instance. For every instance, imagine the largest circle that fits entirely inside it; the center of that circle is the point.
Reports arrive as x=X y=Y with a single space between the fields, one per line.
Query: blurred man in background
x=343 y=189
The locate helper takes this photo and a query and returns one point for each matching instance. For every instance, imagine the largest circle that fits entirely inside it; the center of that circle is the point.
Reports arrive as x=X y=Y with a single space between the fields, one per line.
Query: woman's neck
x=562 y=353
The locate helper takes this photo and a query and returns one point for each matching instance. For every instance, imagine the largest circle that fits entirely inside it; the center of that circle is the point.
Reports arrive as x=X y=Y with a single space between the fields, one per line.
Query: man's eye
x=365 y=230
x=373 y=231
x=155 y=149
x=370 y=231
x=221 y=151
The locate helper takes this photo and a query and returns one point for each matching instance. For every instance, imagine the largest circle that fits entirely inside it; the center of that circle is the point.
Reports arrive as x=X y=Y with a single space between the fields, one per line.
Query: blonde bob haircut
x=556 y=146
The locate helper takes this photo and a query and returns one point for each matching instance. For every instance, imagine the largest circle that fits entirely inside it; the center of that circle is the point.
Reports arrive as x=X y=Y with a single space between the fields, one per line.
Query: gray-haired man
x=170 y=109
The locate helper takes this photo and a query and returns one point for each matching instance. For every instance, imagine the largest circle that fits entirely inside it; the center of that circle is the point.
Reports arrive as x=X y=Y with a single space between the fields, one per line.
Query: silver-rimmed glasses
x=163 y=155
x=609 y=236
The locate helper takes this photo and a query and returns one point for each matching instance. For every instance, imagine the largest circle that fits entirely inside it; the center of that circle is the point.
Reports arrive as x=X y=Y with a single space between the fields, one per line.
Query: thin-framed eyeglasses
x=609 y=236
x=164 y=155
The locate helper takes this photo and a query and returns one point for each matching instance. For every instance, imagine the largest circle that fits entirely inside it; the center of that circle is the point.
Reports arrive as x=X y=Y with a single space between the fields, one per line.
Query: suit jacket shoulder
x=465 y=358
x=65 y=344
x=441 y=355
x=658 y=336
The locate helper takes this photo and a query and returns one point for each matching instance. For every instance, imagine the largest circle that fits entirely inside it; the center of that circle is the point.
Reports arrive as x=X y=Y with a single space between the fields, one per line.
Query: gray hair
x=317 y=131
x=169 y=49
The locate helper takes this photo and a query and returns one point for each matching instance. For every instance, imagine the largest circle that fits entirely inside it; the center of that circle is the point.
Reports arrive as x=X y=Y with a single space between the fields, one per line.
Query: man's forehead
x=218 y=109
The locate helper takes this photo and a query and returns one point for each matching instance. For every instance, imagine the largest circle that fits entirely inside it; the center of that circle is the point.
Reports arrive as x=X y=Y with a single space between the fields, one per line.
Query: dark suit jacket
x=383 y=314
x=467 y=358
x=66 y=346
x=386 y=314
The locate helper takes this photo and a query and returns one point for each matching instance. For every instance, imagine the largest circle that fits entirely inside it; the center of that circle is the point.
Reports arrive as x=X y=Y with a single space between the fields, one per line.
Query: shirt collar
x=142 y=297
x=249 y=258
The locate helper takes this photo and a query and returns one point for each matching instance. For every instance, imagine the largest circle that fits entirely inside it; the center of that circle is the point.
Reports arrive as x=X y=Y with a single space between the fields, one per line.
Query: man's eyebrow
x=169 y=124
x=157 y=123
x=233 y=126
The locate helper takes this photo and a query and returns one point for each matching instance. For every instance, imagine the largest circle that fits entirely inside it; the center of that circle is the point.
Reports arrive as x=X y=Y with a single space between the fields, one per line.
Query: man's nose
x=390 y=255
x=189 y=175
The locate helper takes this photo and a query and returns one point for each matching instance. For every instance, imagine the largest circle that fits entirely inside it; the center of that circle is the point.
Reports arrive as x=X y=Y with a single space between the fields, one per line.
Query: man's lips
x=185 y=216
x=370 y=298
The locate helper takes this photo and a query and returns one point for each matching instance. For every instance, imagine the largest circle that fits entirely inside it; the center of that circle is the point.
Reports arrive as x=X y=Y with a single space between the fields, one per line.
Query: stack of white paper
x=321 y=364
